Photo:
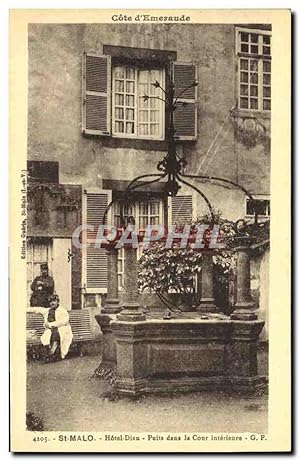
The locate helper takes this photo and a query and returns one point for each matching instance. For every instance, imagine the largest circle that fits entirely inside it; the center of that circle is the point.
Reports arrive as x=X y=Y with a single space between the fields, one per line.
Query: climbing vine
x=251 y=131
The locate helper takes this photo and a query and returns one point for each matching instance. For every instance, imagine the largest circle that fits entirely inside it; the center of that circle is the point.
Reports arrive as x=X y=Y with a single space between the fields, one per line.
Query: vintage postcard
x=149 y=230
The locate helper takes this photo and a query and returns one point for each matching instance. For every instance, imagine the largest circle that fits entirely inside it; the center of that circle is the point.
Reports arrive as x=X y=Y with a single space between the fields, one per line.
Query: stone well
x=201 y=350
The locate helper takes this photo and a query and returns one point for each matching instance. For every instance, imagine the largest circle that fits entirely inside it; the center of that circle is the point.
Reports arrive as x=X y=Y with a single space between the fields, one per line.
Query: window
x=39 y=251
x=254 y=69
x=145 y=213
x=113 y=96
x=132 y=115
x=260 y=206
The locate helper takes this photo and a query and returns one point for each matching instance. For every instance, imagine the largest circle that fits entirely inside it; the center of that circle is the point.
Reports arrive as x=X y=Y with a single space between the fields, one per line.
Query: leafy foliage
x=176 y=270
x=163 y=270
x=34 y=422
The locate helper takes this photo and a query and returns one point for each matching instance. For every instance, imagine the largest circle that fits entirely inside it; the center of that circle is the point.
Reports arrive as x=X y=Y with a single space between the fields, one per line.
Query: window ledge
x=243 y=113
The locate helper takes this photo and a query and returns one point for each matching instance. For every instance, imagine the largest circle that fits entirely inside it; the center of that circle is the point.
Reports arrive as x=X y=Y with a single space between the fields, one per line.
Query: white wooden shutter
x=185 y=115
x=180 y=209
x=96 y=92
x=94 y=260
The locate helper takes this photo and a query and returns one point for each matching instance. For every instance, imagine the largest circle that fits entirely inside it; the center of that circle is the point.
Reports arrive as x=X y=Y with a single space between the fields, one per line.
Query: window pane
x=119 y=127
x=143 y=129
x=244 y=64
x=119 y=99
x=143 y=104
x=154 y=208
x=266 y=50
x=154 y=116
x=116 y=208
x=267 y=66
x=119 y=72
x=143 y=89
x=253 y=90
x=253 y=65
x=129 y=100
x=244 y=90
x=129 y=114
x=119 y=113
x=254 y=49
x=253 y=103
x=244 y=77
x=144 y=76
x=153 y=129
x=254 y=38
x=244 y=37
x=129 y=87
x=244 y=48
x=143 y=222
x=267 y=92
x=266 y=39
x=244 y=103
x=154 y=220
x=119 y=85
x=143 y=116
x=267 y=79
x=267 y=104
x=129 y=128
x=154 y=103
x=254 y=78
x=130 y=73
x=143 y=208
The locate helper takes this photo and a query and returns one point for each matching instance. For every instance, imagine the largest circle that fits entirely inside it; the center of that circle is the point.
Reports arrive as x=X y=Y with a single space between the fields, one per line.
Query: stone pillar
x=109 y=354
x=241 y=355
x=112 y=304
x=244 y=306
x=207 y=301
x=131 y=308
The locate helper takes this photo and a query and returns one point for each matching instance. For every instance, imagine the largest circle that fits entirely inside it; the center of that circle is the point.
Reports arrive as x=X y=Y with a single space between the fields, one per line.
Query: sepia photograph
x=146 y=210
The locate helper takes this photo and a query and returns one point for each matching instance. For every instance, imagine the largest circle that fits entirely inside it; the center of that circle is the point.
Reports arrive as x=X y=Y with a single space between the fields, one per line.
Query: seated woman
x=58 y=330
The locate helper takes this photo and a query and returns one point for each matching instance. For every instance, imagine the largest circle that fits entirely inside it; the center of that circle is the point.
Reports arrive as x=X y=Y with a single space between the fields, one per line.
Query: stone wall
x=54 y=117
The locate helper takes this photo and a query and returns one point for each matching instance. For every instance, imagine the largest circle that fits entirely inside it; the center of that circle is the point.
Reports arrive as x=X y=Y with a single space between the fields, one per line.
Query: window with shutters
x=94 y=260
x=254 y=69
x=114 y=102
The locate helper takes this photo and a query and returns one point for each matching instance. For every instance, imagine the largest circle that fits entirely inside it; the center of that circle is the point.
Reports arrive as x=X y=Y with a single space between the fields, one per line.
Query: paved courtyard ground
x=67 y=399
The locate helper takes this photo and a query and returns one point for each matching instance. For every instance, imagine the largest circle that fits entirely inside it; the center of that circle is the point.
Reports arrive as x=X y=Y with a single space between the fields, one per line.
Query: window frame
x=31 y=261
x=260 y=59
x=136 y=213
x=258 y=197
x=162 y=107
